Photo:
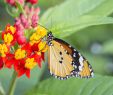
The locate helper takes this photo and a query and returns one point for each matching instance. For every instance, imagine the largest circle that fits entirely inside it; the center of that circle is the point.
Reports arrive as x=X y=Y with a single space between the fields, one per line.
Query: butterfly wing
x=59 y=61
x=82 y=67
x=65 y=61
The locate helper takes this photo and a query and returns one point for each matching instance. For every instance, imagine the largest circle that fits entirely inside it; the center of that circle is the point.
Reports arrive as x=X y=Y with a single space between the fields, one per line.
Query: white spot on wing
x=75 y=66
x=81 y=60
x=80 y=68
x=74 y=55
x=55 y=76
x=74 y=49
x=92 y=74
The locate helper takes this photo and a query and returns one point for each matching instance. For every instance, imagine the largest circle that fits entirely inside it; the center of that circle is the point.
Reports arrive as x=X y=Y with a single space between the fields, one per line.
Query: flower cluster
x=22 y=57
x=17 y=50
x=26 y=19
x=29 y=19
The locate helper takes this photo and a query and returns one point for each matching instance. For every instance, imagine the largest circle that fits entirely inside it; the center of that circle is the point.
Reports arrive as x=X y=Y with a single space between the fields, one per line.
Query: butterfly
x=64 y=61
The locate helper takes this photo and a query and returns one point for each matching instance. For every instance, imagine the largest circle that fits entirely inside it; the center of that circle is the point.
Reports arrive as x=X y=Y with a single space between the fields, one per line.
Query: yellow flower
x=19 y=54
x=41 y=31
x=34 y=38
x=11 y=28
x=43 y=46
x=3 y=50
x=8 y=38
x=30 y=63
x=37 y=37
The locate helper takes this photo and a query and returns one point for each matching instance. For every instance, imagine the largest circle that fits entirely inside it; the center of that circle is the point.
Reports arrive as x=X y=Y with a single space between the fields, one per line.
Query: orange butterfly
x=64 y=61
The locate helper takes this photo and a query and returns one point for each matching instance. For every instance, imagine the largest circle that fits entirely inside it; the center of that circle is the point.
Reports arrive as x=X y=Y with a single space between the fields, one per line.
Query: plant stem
x=2 y=92
x=12 y=84
x=40 y=76
x=43 y=69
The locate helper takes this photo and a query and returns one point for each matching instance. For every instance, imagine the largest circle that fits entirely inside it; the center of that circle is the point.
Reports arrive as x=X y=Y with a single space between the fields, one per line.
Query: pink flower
x=11 y=2
x=29 y=19
x=25 y=21
x=20 y=38
x=19 y=24
x=35 y=20
x=21 y=1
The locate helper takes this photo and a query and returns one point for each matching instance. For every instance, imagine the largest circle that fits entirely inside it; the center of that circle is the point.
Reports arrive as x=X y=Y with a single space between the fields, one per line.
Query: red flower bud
x=1 y=63
x=21 y=40
x=32 y=1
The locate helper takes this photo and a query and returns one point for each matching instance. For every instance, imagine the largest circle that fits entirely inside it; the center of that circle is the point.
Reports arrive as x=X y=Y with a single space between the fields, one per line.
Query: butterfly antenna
x=43 y=26
x=51 y=22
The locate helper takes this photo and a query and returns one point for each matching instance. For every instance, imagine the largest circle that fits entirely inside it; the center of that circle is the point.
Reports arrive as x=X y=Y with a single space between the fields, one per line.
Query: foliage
x=99 y=85
x=81 y=23
x=107 y=47
x=79 y=15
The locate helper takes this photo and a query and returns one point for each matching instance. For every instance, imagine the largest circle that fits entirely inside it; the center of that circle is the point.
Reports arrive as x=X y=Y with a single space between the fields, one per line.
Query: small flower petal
x=28 y=73
x=1 y=63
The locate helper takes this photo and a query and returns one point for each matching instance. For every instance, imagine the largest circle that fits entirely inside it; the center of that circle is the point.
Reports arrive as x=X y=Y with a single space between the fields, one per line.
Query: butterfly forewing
x=59 y=61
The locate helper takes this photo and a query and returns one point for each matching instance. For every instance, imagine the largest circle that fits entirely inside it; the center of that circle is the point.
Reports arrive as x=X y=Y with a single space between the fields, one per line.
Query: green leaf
x=91 y=35
x=76 y=8
x=99 y=85
x=107 y=47
x=103 y=9
x=20 y=8
x=100 y=64
x=71 y=26
x=73 y=15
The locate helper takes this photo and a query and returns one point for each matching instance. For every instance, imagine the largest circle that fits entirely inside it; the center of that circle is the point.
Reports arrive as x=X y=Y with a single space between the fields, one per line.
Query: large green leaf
x=99 y=85
x=86 y=38
x=72 y=25
x=73 y=15
x=76 y=8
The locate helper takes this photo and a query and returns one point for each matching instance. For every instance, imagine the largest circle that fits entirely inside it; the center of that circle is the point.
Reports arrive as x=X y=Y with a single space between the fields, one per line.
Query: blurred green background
x=85 y=24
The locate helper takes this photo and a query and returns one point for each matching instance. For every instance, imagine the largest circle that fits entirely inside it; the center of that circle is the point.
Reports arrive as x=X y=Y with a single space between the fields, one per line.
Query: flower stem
x=12 y=84
x=43 y=69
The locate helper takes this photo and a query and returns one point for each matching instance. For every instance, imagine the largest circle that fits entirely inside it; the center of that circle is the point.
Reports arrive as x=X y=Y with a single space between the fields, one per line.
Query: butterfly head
x=49 y=38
